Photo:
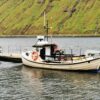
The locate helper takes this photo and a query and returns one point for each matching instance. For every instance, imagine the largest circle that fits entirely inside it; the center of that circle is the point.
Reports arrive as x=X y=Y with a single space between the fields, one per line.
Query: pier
x=10 y=56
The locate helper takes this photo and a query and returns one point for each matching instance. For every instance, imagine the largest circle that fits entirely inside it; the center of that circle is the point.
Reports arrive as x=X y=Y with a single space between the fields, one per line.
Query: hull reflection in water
x=58 y=85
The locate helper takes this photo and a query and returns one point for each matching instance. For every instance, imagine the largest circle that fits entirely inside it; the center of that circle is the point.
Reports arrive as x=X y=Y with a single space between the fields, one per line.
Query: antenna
x=47 y=29
x=44 y=19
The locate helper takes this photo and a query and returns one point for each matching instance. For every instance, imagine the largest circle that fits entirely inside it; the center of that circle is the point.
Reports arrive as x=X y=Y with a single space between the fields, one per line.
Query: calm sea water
x=18 y=82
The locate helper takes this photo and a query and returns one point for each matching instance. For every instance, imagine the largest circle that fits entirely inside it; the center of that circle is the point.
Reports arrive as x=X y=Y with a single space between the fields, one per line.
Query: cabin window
x=42 y=53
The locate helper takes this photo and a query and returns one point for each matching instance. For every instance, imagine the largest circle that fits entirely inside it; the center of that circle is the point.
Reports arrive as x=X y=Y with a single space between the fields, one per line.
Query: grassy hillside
x=19 y=17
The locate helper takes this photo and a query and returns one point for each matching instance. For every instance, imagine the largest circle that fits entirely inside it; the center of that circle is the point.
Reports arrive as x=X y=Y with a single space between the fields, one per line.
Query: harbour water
x=18 y=82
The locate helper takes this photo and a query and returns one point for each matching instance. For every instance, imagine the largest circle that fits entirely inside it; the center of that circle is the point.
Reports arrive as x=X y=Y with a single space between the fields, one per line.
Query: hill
x=25 y=17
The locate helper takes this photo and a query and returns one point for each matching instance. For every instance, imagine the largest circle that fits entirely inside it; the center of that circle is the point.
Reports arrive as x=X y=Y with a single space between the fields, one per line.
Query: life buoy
x=34 y=56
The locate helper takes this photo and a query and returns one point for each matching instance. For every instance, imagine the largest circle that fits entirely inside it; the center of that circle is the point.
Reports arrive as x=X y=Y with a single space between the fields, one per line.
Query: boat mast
x=46 y=26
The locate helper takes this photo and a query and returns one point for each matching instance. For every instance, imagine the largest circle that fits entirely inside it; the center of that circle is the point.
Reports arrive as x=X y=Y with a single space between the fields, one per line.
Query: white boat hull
x=93 y=64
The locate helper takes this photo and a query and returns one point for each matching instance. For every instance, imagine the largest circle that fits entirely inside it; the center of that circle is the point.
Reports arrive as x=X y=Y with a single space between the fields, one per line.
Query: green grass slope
x=25 y=17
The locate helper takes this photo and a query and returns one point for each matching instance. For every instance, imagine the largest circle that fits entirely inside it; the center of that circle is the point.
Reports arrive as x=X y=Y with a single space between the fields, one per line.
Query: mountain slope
x=19 y=17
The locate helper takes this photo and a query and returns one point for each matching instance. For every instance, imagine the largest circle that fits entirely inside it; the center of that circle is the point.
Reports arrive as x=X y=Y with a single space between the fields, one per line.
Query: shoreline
x=56 y=35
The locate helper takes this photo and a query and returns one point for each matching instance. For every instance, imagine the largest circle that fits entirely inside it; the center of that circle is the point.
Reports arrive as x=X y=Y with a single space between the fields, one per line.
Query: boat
x=47 y=55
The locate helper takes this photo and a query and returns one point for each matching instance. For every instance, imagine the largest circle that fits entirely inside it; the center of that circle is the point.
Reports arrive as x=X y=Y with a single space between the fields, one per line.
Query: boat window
x=42 y=53
x=27 y=54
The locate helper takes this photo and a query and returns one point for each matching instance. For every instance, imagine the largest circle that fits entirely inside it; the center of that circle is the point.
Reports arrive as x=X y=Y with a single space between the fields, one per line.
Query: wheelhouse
x=46 y=51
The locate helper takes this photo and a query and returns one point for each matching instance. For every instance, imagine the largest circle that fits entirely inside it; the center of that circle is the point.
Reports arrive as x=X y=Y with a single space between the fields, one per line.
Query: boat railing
x=64 y=57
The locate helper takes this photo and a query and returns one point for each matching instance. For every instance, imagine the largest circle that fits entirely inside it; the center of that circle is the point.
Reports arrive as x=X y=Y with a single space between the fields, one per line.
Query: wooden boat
x=47 y=56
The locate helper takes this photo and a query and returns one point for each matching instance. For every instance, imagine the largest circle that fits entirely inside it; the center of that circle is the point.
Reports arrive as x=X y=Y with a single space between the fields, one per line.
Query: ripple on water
x=24 y=83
